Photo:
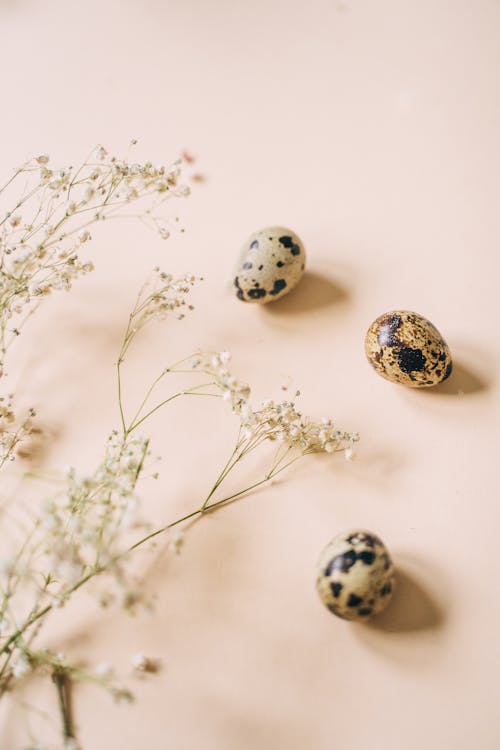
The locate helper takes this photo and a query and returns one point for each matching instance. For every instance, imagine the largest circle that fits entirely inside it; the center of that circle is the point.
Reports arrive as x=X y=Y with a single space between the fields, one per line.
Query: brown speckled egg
x=355 y=575
x=406 y=348
x=271 y=264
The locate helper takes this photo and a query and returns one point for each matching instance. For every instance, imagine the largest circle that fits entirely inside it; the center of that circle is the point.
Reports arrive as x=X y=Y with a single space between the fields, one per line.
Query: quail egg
x=406 y=348
x=271 y=264
x=355 y=575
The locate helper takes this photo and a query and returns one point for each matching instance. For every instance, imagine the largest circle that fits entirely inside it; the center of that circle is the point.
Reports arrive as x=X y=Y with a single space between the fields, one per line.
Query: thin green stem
x=20 y=203
x=98 y=569
x=190 y=392
x=147 y=395
x=119 y=361
x=225 y=471
x=16 y=174
x=37 y=614
x=155 y=382
x=120 y=400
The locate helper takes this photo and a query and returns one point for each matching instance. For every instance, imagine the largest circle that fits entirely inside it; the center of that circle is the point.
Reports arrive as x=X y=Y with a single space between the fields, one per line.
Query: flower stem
x=98 y=569
x=190 y=392
x=63 y=683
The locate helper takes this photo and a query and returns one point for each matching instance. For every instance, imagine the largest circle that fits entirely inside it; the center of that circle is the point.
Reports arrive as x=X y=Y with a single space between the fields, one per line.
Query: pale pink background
x=372 y=129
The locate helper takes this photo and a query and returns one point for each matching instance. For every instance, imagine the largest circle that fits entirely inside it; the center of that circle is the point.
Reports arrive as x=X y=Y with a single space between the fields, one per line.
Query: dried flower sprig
x=81 y=532
x=12 y=434
x=43 y=233
x=92 y=523
x=42 y=236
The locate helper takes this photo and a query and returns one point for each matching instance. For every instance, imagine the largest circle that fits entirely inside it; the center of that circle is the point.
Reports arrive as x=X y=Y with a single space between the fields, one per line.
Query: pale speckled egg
x=355 y=575
x=271 y=264
x=406 y=348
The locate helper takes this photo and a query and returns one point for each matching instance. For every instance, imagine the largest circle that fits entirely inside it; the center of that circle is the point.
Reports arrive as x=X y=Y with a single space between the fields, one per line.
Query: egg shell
x=355 y=575
x=272 y=262
x=404 y=347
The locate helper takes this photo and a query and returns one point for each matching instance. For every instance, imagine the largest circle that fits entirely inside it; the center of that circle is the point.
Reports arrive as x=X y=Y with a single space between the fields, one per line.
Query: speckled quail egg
x=355 y=575
x=406 y=348
x=271 y=264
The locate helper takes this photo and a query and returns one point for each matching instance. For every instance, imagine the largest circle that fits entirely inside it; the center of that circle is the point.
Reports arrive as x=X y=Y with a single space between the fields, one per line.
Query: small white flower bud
x=84 y=235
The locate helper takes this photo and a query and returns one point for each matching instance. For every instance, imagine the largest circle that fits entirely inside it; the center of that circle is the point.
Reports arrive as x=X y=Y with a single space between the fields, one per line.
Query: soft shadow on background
x=463 y=380
x=371 y=466
x=315 y=291
x=412 y=608
x=412 y=630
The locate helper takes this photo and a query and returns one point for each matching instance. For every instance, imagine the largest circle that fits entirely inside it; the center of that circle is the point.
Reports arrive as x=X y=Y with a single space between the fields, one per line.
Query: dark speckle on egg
x=336 y=588
x=354 y=600
x=386 y=589
x=239 y=290
x=342 y=562
x=256 y=293
x=367 y=556
x=411 y=360
x=279 y=284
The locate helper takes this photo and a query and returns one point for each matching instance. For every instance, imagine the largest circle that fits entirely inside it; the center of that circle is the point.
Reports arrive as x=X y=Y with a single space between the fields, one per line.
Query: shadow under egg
x=463 y=380
x=314 y=291
x=412 y=608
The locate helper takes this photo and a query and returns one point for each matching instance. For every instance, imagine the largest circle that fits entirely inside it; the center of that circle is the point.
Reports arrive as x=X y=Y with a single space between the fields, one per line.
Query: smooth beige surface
x=371 y=129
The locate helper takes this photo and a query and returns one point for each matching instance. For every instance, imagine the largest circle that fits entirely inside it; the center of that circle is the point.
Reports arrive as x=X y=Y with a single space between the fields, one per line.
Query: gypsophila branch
x=279 y=423
x=43 y=233
x=93 y=522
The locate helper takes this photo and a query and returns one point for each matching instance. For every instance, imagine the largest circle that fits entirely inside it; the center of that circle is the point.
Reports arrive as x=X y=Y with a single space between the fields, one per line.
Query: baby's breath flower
x=87 y=529
x=5 y=624
x=142 y=663
x=104 y=669
x=272 y=420
x=176 y=541
x=122 y=696
x=40 y=240
x=84 y=235
x=160 y=297
x=21 y=668
x=100 y=153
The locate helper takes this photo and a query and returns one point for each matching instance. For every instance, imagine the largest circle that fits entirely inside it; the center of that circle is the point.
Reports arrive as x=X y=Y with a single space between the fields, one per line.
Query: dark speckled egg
x=406 y=348
x=271 y=264
x=355 y=575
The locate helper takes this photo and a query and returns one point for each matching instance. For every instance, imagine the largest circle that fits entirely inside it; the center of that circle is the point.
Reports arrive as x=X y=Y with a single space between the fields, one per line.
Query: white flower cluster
x=215 y=364
x=81 y=530
x=145 y=664
x=48 y=219
x=42 y=233
x=11 y=432
x=273 y=420
x=160 y=297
